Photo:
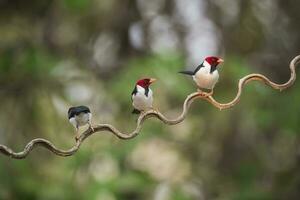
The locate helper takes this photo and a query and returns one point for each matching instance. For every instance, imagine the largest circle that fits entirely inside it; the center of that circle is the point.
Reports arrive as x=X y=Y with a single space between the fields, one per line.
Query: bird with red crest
x=206 y=74
x=142 y=96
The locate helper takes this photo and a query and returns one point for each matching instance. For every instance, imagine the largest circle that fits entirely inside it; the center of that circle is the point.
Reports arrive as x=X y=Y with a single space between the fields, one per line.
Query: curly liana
x=152 y=114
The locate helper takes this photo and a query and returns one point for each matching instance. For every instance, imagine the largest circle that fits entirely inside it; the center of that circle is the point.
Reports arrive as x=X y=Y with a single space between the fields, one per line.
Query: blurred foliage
x=55 y=54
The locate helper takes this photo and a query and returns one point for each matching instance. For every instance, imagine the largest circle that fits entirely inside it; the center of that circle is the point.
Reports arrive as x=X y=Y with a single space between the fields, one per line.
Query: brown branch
x=150 y=114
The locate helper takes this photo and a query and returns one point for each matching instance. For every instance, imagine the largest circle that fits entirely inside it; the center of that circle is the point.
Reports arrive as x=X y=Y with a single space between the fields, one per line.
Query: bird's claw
x=77 y=135
x=205 y=94
x=77 y=138
x=155 y=110
x=92 y=128
x=143 y=112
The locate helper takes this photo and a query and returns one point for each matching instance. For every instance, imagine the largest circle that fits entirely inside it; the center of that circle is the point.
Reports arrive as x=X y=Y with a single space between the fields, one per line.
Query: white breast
x=142 y=102
x=81 y=119
x=205 y=79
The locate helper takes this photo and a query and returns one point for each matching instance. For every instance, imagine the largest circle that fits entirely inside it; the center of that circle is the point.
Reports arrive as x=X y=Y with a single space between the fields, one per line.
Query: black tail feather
x=190 y=73
x=136 y=111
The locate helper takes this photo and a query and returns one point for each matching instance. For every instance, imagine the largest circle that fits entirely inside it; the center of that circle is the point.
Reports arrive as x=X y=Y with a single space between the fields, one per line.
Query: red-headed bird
x=206 y=74
x=142 y=95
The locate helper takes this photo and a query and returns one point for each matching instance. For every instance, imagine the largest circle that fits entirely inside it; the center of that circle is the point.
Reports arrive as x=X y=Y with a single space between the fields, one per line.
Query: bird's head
x=146 y=82
x=213 y=60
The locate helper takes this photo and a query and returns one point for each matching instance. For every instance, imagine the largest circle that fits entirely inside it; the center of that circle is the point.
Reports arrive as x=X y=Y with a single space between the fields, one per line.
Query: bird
x=206 y=74
x=142 y=95
x=80 y=116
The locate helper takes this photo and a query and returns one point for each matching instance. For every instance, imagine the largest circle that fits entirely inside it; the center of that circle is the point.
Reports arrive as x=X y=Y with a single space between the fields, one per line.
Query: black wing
x=191 y=73
x=135 y=111
x=197 y=69
x=77 y=110
x=134 y=92
x=146 y=91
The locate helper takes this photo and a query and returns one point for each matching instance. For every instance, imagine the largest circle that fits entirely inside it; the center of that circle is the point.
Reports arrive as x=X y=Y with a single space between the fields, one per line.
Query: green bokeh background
x=57 y=54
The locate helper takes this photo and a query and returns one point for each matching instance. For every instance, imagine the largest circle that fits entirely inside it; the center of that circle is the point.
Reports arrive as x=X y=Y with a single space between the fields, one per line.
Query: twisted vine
x=150 y=114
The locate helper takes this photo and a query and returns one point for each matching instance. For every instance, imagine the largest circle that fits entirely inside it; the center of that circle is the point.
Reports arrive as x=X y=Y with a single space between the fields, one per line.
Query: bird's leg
x=211 y=92
x=142 y=112
x=77 y=134
x=90 y=126
x=200 y=92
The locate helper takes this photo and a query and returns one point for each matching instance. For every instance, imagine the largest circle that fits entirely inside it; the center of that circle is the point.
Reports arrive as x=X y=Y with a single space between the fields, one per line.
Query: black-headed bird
x=80 y=116
x=206 y=74
x=142 y=96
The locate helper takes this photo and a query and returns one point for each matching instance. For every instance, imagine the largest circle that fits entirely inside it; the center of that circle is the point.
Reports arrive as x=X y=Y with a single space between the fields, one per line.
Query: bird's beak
x=152 y=80
x=220 y=60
